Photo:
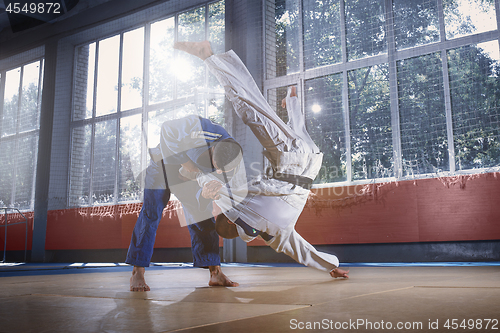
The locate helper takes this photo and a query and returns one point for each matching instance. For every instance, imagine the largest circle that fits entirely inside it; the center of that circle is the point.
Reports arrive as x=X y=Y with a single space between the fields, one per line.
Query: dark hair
x=224 y=228
x=227 y=154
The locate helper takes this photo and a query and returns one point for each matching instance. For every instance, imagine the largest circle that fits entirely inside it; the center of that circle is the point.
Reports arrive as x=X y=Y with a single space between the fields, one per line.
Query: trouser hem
x=137 y=263
x=205 y=264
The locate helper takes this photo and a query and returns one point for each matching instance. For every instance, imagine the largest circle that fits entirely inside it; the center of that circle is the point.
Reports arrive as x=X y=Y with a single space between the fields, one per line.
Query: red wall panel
x=455 y=213
x=450 y=209
x=16 y=233
x=109 y=227
x=459 y=208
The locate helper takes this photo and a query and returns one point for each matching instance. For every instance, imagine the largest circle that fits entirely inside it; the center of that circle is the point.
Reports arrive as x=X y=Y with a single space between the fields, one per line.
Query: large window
x=390 y=89
x=20 y=96
x=125 y=87
x=475 y=101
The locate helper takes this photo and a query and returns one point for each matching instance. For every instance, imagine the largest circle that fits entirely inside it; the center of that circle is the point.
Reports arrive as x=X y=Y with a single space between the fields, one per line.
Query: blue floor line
x=29 y=269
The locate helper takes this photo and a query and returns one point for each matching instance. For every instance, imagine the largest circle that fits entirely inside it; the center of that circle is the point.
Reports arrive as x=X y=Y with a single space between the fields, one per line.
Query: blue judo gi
x=181 y=140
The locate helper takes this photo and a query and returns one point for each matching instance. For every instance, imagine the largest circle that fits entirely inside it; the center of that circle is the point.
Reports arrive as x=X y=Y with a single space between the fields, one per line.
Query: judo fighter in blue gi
x=188 y=146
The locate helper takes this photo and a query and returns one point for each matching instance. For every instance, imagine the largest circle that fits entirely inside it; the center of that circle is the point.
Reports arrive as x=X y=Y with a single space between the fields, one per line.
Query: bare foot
x=137 y=281
x=218 y=279
x=337 y=272
x=202 y=50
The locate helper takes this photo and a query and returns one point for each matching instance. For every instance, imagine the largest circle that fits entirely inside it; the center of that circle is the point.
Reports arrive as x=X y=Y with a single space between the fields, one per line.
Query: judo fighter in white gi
x=269 y=205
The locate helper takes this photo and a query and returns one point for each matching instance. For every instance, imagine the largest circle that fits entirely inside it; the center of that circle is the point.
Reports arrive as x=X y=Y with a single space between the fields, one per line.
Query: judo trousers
x=204 y=238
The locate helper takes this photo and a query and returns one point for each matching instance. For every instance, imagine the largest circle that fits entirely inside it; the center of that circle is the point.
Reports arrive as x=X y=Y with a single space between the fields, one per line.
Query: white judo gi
x=268 y=204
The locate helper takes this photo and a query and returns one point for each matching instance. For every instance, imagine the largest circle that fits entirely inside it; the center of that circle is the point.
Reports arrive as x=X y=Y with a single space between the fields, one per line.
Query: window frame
x=391 y=58
x=19 y=133
x=143 y=110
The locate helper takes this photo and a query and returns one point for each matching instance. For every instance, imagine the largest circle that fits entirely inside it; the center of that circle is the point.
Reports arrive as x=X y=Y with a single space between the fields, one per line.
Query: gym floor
x=432 y=297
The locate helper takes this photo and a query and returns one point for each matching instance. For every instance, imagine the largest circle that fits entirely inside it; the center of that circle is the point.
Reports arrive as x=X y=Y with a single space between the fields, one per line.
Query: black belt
x=301 y=181
x=252 y=232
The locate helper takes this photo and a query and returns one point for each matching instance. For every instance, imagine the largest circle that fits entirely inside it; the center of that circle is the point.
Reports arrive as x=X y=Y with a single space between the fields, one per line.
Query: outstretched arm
x=296 y=118
x=244 y=94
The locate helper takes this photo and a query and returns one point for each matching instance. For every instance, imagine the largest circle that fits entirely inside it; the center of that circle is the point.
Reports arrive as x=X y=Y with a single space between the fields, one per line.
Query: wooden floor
x=270 y=298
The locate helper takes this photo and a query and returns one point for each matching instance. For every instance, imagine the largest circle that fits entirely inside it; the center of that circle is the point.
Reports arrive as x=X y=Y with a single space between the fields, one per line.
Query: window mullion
x=118 y=121
x=442 y=28
x=301 y=39
x=92 y=135
x=37 y=131
x=176 y=38
x=497 y=10
x=33 y=185
x=394 y=95
x=446 y=87
x=449 y=118
x=343 y=37
x=264 y=43
x=345 y=93
x=301 y=82
x=117 y=162
x=145 y=99
x=206 y=87
x=120 y=65
x=40 y=83
x=91 y=177
x=19 y=100
x=2 y=96
x=347 y=125
x=94 y=95
x=14 y=171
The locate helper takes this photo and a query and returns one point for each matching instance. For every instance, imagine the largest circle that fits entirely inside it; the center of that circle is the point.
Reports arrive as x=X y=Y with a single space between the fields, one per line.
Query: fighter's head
x=225 y=228
x=227 y=155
